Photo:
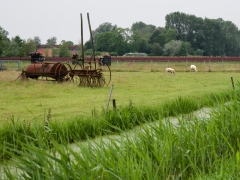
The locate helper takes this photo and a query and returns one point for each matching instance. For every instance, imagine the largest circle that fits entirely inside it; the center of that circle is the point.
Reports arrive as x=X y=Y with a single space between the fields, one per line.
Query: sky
x=61 y=18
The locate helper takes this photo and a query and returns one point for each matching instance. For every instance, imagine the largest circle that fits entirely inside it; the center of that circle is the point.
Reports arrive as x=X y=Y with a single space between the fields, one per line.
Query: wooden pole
x=232 y=83
x=109 y=97
x=114 y=104
x=151 y=66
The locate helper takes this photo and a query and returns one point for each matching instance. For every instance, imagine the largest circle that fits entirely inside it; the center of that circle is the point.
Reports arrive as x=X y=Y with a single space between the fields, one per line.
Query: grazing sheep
x=171 y=70
x=193 y=68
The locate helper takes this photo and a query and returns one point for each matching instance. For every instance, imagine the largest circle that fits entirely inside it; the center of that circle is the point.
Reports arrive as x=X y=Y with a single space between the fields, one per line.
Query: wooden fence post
x=209 y=69
x=205 y=65
x=186 y=66
x=114 y=104
x=151 y=66
x=232 y=83
x=222 y=66
x=117 y=65
x=134 y=66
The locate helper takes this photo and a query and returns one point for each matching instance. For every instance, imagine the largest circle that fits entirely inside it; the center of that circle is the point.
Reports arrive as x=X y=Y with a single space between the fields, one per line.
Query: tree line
x=183 y=35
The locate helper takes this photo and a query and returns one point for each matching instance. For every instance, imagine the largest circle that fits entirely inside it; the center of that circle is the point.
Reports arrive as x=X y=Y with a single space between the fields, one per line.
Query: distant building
x=47 y=50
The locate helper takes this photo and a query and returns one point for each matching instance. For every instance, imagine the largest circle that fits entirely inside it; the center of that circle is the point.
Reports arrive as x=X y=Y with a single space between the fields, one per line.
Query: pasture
x=138 y=83
x=197 y=149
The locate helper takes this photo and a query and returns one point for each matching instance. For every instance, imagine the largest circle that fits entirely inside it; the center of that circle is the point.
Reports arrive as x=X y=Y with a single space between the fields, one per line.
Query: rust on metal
x=83 y=72
x=56 y=71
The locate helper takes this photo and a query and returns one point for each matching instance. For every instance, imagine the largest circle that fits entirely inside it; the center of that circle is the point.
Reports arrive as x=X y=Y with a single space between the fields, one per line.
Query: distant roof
x=56 y=46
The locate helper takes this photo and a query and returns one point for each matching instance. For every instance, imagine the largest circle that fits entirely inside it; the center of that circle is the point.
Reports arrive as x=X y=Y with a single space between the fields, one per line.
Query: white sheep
x=171 y=70
x=193 y=68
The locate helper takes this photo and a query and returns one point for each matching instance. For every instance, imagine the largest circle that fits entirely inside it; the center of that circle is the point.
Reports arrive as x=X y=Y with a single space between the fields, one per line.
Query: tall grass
x=197 y=149
x=194 y=149
x=200 y=149
x=42 y=133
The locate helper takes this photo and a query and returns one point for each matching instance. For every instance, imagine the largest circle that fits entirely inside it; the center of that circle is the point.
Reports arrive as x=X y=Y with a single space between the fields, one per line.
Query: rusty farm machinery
x=81 y=71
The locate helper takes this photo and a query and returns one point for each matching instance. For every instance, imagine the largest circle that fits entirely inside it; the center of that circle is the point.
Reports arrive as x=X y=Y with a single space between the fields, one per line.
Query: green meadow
x=135 y=83
x=39 y=120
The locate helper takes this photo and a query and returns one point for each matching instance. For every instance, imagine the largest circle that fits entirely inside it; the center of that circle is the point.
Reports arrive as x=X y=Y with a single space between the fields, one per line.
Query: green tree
x=170 y=35
x=1 y=44
x=232 y=38
x=13 y=49
x=52 y=41
x=143 y=29
x=3 y=32
x=37 y=40
x=179 y=22
x=161 y=36
x=88 y=52
x=187 y=27
x=102 y=28
x=63 y=49
x=4 y=41
x=214 y=39
x=135 y=42
x=199 y=52
x=138 y=27
x=195 y=34
x=144 y=46
x=20 y=43
x=88 y=45
x=55 y=52
x=68 y=43
x=105 y=42
x=156 y=50
x=157 y=32
x=120 y=40
x=182 y=50
x=18 y=40
x=116 y=41
x=172 y=48
x=160 y=39
x=29 y=46
x=190 y=50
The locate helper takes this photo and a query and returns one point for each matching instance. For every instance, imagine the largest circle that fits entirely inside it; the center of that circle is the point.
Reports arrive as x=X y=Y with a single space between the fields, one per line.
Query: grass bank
x=197 y=149
x=41 y=133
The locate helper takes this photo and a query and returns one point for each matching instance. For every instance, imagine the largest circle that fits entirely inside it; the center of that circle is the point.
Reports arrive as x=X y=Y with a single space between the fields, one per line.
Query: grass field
x=28 y=100
x=195 y=149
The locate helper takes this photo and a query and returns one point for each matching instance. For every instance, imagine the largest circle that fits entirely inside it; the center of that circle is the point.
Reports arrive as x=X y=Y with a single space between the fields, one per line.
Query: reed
x=42 y=133
x=197 y=149
x=194 y=149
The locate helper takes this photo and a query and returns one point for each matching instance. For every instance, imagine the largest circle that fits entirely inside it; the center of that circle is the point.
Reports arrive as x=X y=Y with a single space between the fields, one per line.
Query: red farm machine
x=82 y=71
